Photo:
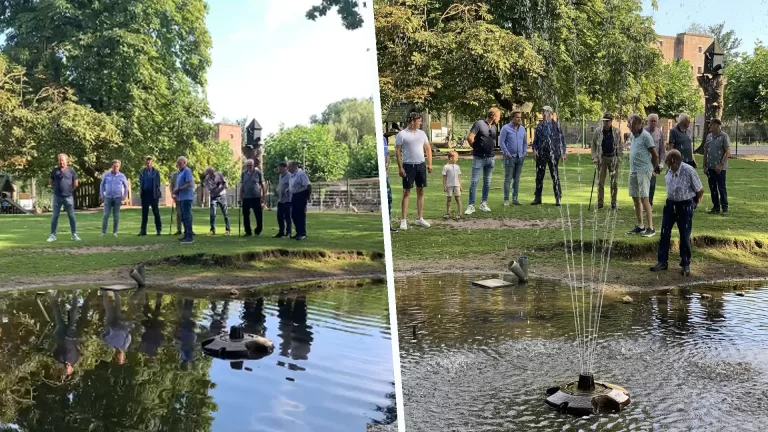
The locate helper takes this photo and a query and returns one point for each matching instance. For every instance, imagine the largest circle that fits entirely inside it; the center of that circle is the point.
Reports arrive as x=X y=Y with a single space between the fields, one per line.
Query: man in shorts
x=643 y=165
x=411 y=146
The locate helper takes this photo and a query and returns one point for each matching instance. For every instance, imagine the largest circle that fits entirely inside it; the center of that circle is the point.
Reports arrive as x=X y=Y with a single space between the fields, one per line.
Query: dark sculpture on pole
x=253 y=145
x=712 y=82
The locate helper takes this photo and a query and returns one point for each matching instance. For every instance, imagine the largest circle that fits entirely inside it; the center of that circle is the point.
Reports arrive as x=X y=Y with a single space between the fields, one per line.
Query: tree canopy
x=746 y=92
x=321 y=157
x=579 y=57
x=348 y=120
x=679 y=91
x=348 y=10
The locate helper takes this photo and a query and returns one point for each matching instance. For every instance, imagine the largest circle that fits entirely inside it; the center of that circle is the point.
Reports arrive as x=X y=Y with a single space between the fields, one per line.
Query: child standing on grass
x=452 y=184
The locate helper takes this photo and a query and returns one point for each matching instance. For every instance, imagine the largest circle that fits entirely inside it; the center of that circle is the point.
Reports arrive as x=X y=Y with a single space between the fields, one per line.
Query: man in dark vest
x=607 y=150
x=149 y=183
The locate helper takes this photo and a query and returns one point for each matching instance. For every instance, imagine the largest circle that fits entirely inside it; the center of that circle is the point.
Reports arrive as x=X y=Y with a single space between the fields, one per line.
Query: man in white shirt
x=411 y=146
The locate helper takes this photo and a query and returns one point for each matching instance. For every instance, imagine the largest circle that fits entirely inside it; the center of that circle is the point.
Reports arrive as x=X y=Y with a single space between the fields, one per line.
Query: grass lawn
x=537 y=230
x=24 y=252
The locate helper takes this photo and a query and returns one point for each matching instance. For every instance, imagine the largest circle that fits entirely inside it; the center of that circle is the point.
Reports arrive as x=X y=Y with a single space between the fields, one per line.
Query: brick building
x=232 y=134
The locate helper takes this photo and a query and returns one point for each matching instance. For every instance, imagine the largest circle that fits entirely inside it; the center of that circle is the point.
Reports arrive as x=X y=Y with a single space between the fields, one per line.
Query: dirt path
x=621 y=277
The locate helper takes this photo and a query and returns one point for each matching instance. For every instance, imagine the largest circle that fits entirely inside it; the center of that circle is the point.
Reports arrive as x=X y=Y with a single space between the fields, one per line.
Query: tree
x=321 y=157
x=363 y=159
x=348 y=120
x=348 y=10
x=678 y=92
x=746 y=93
x=449 y=55
x=727 y=39
x=139 y=63
x=218 y=155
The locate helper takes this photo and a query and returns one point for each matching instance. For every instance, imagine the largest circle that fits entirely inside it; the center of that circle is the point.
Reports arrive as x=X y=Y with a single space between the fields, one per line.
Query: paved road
x=750 y=150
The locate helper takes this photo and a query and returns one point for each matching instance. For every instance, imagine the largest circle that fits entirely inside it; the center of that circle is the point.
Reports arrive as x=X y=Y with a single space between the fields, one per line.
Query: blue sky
x=747 y=17
x=271 y=63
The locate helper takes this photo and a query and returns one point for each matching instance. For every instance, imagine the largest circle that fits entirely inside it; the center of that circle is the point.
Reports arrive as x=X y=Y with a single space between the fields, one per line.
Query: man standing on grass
x=549 y=150
x=658 y=139
x=607 y=149
x=300 y=192
x=680 y=140
x=684 y=193
x=514 y=145
x=717 y=149
x=113 y=190
x=185 y=194
x=172 y=186
x=482 y=139
x=149 y=183
x=64 y=182
x=252 y=196
x=643 y=165
x=284 y=201
x=411 y=145
x=216 y=185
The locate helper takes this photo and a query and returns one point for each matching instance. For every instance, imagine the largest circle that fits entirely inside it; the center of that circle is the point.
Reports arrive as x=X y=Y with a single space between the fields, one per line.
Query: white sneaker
x=52 y=238
x=114 y=235
x=103 y=234
x=470 y=209
x=75 y=237
x=403 y=225
x=422 y=222
x=506 y=203
x=484 y=207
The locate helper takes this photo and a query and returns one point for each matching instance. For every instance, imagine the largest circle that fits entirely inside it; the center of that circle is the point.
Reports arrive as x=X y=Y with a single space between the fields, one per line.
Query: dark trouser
x=717 y=190
x=221 y=202
x=284 y=218
x=148 y=199
x=652 y=189
x=678 y=213
x=178 y=216
x=389 y=197
x=299 y=212
x=186 y=217
x=65 y=329
x=542 y=161
x=255 y=204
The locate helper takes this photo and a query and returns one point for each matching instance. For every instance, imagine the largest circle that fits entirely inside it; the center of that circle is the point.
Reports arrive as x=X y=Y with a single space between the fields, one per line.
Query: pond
x=139 y=365
x=481 y=359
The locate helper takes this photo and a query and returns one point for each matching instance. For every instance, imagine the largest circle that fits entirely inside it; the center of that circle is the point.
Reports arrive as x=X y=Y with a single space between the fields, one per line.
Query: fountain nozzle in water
x=520 y=268
x=586 y=382
x=137 y=274
x=586 y=397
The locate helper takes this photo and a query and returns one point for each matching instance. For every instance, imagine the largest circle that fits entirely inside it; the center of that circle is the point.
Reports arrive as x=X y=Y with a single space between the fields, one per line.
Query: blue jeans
x=717 y=190
x=513 y=167
x=69 y=207
x=678 y=213
x=220 y=201
x=484 y=164
x=111 y=205
x=186 y=217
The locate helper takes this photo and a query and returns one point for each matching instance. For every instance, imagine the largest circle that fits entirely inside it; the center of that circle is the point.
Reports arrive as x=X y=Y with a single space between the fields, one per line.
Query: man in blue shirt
x=114 y=189
x=548 y=149
x=301 y=191
x=149 y=183
x=514 y=145
x=185 y=194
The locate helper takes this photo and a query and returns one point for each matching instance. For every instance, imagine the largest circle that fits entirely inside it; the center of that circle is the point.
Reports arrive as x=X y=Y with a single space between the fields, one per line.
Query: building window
x=701 y=70
x=661 y=44
x=232 y=136
x=700 y=49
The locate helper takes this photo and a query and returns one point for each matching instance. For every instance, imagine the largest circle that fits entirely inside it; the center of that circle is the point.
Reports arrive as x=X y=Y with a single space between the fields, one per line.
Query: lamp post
x=304 y=153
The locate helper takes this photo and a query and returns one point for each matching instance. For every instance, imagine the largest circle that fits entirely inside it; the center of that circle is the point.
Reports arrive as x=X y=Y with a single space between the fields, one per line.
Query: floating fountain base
x=237 y=346
x=587 y=396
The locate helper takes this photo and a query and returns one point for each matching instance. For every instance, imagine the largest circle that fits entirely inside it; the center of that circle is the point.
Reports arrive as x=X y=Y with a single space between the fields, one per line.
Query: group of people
x=293 y=192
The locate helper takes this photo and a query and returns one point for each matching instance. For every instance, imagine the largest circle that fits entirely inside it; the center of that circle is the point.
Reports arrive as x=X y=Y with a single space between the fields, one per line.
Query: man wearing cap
x=607 y=150
x=717 y=149
x=658 y=139
x=548 y=150
x=482 y=139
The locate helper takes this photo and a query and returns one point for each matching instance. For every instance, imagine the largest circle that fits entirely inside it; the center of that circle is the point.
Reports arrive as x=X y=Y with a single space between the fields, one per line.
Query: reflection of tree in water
x=389 y=411
x=296 y=335
x=253 y=317
x=145 y=393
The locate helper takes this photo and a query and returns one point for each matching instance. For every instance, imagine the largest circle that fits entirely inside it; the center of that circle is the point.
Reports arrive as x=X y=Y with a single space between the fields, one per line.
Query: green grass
x=747 y=225
x=24 y=252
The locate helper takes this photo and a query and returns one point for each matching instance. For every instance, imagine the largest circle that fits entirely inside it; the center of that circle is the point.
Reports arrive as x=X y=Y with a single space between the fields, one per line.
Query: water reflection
x=481 y=359
x=135 y=363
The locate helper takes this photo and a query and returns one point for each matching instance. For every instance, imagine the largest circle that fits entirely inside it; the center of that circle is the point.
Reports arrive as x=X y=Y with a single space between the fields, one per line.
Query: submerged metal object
x=137 y=274
x=237 y=346
x=520 y=268
x=587 y=396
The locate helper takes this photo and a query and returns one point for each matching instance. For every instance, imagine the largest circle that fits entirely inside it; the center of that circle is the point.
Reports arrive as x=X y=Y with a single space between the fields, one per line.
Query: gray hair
x=653 y=117
x=683 y=117
x=181 y=159
x=633 y=119
x=249 y=162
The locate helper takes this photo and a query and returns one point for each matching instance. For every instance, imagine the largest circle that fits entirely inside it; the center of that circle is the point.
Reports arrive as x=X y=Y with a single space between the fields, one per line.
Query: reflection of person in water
x=294 y=331
x=117 y=330
x=153 y=323
x=67 y=351
x=185 y=334
x=253 y=317
x=219 y=318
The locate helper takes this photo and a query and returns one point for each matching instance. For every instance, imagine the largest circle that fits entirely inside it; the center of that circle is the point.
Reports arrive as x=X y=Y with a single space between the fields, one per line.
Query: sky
x=271 y=63
x=747 y=17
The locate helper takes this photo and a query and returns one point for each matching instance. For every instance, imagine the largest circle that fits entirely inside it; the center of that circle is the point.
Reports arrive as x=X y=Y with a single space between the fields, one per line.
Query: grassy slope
x=24 y=251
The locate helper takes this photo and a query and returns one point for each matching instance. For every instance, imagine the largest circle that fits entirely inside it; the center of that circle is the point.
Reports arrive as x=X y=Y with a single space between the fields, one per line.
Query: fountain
x=237 y=346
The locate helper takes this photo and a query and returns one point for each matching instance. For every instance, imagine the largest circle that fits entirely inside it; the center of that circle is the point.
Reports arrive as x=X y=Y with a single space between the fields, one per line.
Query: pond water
x=482 y=359
x=139 y=366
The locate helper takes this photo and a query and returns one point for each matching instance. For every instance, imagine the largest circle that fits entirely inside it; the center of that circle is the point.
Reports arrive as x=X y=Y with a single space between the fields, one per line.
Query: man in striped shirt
x=216 y=185
x=300 y=191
